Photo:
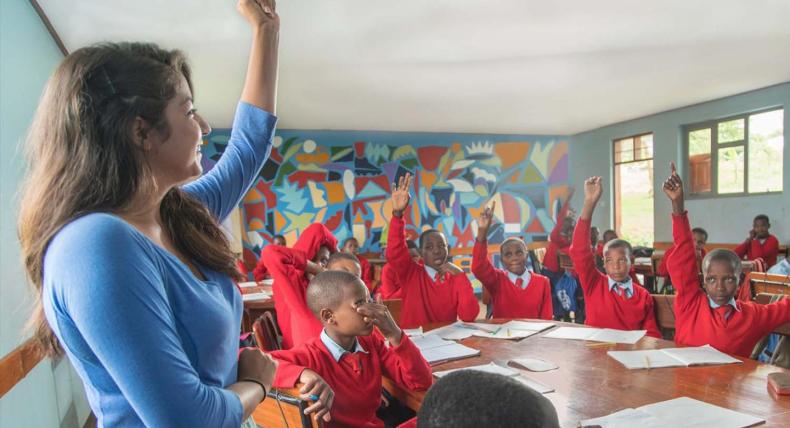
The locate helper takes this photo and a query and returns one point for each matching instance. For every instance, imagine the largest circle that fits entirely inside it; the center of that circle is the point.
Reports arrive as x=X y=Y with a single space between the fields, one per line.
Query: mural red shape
x=359 y=148
x=266 y=191
x=511 y=209
x=463 y=238
x=333 y=222
x=256 y=210
x=276 y=156
x=302 y=177
x=535 y=227
x=250 y=258
x=430 y=156
x=381 y=180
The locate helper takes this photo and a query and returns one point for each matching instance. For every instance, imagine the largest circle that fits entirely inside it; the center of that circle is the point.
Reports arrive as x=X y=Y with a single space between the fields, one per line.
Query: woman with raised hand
x=120 y=234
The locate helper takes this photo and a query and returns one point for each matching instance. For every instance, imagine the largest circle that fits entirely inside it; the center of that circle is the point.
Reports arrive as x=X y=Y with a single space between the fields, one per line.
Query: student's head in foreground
x=433 y=248
x=346 y=262
x=414 y=250
x=472 y=399
x=721 y=271
x=617 y=259
x=514 y=255
x=760 y=226
x=279 y=240
x=334 y=296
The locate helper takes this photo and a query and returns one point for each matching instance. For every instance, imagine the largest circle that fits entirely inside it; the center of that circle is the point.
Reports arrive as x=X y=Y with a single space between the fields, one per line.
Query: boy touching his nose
x=612 y=299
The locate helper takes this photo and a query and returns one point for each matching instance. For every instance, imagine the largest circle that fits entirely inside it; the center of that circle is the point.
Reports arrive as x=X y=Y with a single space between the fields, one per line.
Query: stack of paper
x=436 y=350
x=672 y=357
x=680 y=412
x=249 y=284
x=597 y=334
x=252 y=297
x=510 y=329
x=504 y=371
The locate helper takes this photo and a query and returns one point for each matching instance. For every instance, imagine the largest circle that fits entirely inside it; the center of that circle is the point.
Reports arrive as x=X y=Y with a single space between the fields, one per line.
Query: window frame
x=615 y=194
x=713 y=125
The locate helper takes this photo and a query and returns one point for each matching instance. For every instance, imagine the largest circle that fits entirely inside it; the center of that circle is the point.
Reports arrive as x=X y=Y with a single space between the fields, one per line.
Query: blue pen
x=313 y=397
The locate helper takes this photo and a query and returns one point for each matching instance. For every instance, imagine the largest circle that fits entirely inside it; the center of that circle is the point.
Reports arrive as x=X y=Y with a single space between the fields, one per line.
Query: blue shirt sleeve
x=222 y=188
x=106 y=291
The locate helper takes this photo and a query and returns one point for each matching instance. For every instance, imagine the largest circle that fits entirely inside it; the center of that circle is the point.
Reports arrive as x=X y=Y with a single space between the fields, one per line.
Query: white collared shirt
x=732 y=303
x=336 y=350
x=525 y=277
x=627 y=286
x=431 y=271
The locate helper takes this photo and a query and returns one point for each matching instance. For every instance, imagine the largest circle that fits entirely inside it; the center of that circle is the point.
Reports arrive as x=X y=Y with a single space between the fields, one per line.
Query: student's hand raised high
x=314 y=385
x=380 y=316
x=259 y=13
x=593 y=189
x=485 y=220
x=673 y=188
x=400 y=195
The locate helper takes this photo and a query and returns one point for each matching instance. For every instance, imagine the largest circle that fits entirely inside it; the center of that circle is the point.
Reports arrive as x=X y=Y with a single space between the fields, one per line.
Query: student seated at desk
x=347 y=357
x=700 y=239
x=516 y=292
x=390 y=283
x=559 y=241
x=291 y=269
x=781 y=268
x=433 y=291
x=612 y=300
x=351 y=245
x=608 y=235
x=760 y=243
x=713 y=316
x=472 y=399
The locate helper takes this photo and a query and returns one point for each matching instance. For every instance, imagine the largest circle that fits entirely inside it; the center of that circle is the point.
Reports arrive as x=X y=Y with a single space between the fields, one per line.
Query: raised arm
x=222 y=188
x=682 y=263
x=556 y=235
x=481 y=265
x=287 y=266
x=313 y=238
x=397 y=252
x=580 y=252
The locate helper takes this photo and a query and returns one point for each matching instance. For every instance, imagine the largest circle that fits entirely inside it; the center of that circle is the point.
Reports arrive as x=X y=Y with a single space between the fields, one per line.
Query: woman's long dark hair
x=83 y=158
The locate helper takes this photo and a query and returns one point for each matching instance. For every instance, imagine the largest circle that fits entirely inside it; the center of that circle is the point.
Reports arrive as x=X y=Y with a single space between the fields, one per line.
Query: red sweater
x=662 y=266
x=390 y=283
x=557 y=242
x=510 y=300
x=606 y=308
x=357 y=392
x=425 y=300
x=696 y=323
x=753 y=249
x=367 y=273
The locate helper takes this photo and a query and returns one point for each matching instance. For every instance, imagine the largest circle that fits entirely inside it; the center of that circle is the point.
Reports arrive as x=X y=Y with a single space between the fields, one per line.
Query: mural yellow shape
x=317 y=195
x=540 y=158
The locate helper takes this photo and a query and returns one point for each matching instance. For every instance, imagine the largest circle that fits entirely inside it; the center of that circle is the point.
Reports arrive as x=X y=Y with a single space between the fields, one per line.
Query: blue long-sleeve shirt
x=153 y=344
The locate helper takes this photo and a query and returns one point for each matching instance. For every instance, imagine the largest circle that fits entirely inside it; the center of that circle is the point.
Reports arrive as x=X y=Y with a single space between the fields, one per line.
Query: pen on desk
x=493 y=333
x=647 y=362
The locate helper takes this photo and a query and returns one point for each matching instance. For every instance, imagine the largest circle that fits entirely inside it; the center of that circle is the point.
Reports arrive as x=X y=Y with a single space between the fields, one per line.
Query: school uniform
x=609 y=304
x=557 y=242
x=428 y=297
x=766 y=249
x=733 y=328
x=366 y=273
x=390 y=283
x=513 y=296
x=662 y=266
x=355 y=376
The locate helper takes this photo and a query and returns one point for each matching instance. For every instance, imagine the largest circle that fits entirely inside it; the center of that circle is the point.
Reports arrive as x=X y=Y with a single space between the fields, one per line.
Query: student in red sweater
x=347 y=356
x=433 y=291
x=700 y=239
x=760 y=243
x=290 y=269
x=612 y=300
x=559 y=241
x=390 y=283
x=711 y=315
x=260 y=273
x=516 y=292
x=351 y=245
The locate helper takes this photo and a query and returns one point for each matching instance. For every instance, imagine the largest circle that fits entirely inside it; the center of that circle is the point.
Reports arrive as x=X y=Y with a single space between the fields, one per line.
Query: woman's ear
x=140 y=133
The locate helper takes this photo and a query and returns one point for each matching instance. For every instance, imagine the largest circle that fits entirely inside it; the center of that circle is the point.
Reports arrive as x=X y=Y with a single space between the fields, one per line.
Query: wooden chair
x=283 y=408
x=394 y=305
x=266 y=332
x=564 y=261
x=664 y=306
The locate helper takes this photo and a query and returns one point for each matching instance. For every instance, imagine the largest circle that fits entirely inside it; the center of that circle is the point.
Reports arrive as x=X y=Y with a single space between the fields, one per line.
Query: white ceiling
x=488 y=66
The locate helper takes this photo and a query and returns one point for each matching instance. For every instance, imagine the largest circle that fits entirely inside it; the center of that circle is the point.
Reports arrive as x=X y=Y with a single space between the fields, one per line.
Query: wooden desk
x=769 y=283
x=254 y=309
x=591 y=384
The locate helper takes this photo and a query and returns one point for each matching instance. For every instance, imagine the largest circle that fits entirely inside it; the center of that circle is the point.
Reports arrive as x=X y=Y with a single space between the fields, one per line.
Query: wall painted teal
x=727 y=219
x=51 y=395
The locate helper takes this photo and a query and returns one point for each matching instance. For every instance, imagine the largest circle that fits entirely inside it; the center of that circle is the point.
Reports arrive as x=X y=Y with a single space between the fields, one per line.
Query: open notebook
x=672 y=357
x=436 y=350
x=597 y=334
x=504 y=371
x=510 y=330
x=677 y=413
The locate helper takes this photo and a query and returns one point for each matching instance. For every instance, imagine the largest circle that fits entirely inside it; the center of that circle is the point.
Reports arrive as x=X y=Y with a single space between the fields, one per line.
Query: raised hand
x=379 y=314
x=485 y=220
x=259 y=12
x=673 y=188
x=400 y=195
x=315 y=386
x=593 y=189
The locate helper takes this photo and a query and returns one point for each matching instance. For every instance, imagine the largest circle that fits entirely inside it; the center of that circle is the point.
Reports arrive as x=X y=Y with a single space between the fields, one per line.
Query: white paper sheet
x=640 y=359
x=413 y=331
x=527 y=325
x=251 y=297
x=700 y=355
x=249 y=284
x=488 y=368
x=597 y=334
x=452 y=351
x=454 y=331
x=533 y=364
x=672 y=357
x=683 y=412
x=532 y=383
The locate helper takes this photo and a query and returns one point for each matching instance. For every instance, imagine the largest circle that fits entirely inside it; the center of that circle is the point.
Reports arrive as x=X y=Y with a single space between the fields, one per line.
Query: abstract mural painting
x=344 y=179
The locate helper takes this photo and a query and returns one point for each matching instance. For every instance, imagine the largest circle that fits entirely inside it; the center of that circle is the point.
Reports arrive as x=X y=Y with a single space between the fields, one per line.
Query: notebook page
x=700 y=355
x=527 y=325
x=505 y=333
x=249 y=284
x=688 y=412
x=454 y=331
x=618 y=336
x=252 y=297
x=453 y=351
x=574 y=333
x=627 y=418
x=429 y=341
x=488 y=368
x=652 y=358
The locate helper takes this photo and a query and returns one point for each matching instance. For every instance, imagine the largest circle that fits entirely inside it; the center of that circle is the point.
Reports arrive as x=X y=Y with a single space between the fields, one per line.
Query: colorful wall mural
x=343 y=179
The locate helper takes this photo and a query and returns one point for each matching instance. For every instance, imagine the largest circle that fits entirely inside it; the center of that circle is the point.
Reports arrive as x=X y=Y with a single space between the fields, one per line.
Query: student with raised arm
x=559 y=240
x=120 y=232
x=710 y=314
x=433 y=291
x=516 y=292
x=612 y=300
